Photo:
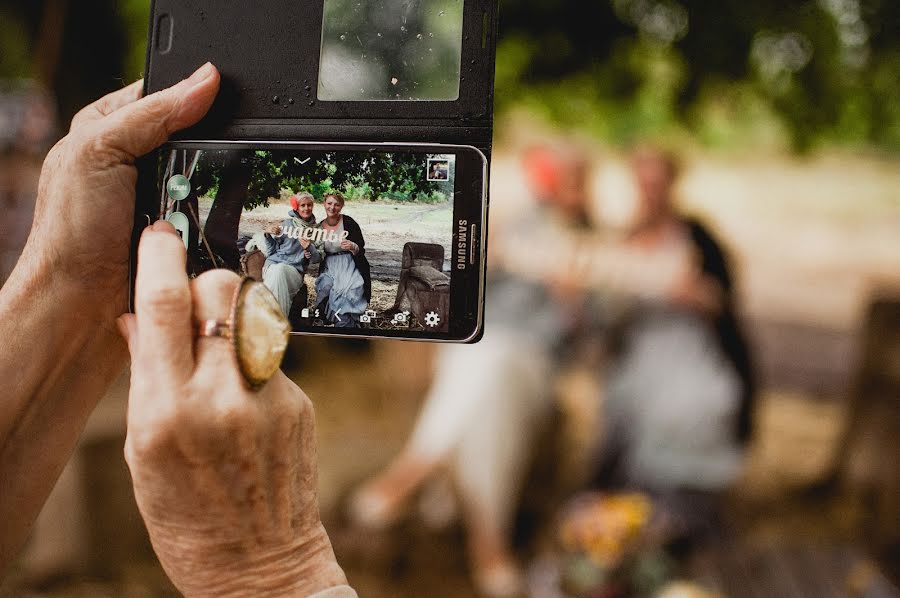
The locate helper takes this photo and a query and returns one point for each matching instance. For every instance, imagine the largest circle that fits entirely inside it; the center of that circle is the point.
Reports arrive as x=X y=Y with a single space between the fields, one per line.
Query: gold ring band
x=257 y=329
x=215 y=329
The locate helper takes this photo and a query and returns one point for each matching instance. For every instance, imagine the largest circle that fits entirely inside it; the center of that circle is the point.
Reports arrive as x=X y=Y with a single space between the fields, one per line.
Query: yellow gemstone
x=261 y=333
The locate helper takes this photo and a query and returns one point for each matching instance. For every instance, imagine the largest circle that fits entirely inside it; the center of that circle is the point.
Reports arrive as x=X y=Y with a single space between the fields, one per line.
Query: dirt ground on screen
x=386 y=227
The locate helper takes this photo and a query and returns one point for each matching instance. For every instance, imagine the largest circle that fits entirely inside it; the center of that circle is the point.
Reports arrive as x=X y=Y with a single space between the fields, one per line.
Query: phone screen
x=356 y=242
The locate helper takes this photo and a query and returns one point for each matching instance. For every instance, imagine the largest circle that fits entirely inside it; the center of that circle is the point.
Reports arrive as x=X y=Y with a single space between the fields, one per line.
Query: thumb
x=128 y=329
x=140 y=127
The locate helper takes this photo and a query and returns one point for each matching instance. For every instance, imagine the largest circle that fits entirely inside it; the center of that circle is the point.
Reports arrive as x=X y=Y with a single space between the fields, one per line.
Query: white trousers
x=482 y=416
x=285 y=282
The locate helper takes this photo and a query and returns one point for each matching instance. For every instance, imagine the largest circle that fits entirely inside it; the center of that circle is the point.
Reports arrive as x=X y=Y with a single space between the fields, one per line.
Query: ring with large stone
x=258 y=330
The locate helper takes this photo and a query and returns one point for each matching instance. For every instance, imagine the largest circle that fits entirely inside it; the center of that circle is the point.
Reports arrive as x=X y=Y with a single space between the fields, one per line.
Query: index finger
x=108 y=104
x=163 y=305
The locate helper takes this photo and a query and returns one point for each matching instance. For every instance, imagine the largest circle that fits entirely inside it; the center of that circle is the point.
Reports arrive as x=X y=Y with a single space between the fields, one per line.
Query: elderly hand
x=85 y=207
x=225 y=478
x=58 y=308
x=350 y=246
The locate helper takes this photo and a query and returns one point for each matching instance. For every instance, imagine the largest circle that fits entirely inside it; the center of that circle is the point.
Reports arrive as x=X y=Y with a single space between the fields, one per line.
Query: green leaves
x=818 y=72
x=359 y=176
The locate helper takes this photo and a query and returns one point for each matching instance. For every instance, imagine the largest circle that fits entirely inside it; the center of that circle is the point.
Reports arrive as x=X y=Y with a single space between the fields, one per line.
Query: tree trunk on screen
x=225 y=216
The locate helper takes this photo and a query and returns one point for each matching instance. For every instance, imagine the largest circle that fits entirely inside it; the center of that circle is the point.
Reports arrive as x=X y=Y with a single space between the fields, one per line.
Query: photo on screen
x=438 y=170
x=351 y=240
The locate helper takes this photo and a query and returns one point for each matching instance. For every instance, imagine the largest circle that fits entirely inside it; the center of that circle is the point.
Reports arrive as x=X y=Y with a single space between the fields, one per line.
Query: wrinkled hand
x=274 y=230
x=225 y=478
x=85 y=206
x=350 y=246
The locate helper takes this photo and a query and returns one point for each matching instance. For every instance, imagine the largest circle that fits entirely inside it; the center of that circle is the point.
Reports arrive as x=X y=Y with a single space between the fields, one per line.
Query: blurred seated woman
x=288 y=253
x=678 y=388
x=488 y=401
x=344 y=285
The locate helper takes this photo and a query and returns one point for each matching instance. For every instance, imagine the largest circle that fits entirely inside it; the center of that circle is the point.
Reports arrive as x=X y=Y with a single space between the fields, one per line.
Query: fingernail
x=162 y=226
x=123 y=327
x=202 y=74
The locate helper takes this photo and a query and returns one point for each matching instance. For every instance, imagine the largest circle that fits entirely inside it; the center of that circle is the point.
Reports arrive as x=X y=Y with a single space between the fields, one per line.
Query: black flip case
x=268 y=53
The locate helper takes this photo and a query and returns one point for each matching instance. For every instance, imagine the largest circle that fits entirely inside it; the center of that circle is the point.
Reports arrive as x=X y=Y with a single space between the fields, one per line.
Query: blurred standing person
x=679 y=389
x=27 y=131
x=487 y=400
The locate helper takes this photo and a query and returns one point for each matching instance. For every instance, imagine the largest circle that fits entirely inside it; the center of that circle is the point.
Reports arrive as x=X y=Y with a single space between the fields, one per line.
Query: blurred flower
x=605 y=528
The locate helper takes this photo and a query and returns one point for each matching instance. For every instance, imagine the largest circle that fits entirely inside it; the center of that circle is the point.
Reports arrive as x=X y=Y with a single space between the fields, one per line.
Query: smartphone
x=393 y=103
x=360 y=240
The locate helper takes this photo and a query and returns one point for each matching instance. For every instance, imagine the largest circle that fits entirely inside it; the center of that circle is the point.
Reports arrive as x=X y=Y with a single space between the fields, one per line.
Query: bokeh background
x=787 y=118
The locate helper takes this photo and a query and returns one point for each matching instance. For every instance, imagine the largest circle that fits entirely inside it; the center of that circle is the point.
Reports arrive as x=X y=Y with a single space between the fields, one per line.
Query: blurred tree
x=828 y=69
x=728 y=72
x=77 y=49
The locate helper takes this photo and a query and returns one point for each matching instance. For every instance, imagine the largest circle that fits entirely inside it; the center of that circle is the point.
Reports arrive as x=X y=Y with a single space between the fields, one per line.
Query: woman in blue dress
x=344 y=285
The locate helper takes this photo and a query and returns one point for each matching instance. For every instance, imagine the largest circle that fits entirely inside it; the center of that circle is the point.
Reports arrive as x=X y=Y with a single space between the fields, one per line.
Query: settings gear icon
x=432 y=320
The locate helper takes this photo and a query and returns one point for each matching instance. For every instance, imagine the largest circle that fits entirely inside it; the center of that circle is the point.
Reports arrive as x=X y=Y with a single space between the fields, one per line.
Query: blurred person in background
x=678 y=389
x=488 y=400
x=27 y=130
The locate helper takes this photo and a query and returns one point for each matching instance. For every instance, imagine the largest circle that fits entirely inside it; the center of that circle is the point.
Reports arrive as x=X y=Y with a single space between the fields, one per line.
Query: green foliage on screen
x=398 y=177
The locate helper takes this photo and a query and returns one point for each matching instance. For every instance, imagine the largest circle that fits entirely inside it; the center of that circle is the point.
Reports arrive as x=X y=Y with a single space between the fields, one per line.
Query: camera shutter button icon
x=432 y=320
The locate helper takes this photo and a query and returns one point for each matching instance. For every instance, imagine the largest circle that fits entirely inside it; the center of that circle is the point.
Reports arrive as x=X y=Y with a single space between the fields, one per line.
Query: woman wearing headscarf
x=289 y=253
